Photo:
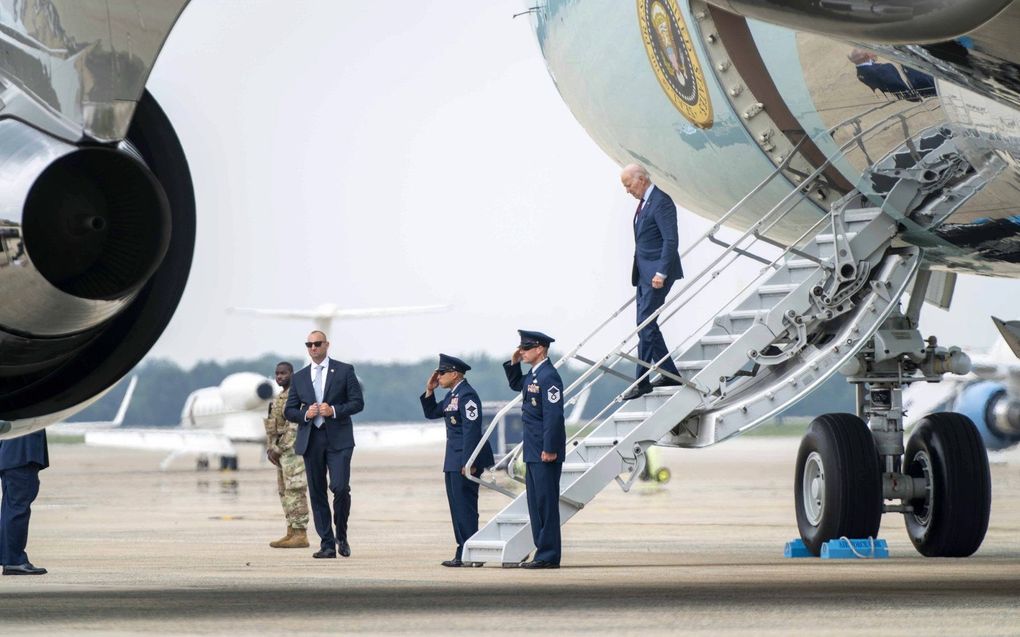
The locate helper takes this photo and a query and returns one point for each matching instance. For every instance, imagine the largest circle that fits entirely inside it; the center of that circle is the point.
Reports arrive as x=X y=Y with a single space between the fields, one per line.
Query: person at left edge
x=21 y=460
x=462 y=410
x=323 y=397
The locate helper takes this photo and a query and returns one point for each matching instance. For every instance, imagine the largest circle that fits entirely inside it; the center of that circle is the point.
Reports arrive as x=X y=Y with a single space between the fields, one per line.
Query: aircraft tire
x=952 y=518
x=838 y=484
x=663 y=475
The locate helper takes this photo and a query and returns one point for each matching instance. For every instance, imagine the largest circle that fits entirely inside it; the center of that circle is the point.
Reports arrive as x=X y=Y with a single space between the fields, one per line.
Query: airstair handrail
x=614 y=356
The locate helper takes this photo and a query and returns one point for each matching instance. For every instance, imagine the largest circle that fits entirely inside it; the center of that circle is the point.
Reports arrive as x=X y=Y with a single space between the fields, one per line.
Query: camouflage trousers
x=292 y=486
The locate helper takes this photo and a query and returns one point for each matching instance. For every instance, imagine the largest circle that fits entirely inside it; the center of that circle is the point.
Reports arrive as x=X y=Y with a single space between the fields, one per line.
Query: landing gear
x=849 y=472
x=228 y=463
x=950 y=516
x=838 y=485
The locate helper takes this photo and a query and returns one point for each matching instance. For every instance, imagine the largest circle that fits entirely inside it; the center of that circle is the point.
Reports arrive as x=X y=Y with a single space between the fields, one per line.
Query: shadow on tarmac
x=340 y=598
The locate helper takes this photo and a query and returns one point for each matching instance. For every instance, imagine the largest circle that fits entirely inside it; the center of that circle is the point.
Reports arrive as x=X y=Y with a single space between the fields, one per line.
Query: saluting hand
x=516 y=356
x=432 y=383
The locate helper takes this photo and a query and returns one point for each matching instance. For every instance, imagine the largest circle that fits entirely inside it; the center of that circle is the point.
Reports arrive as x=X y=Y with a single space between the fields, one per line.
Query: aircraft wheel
x=663 y=475
x=951 y=519
x=202 y=464
x=838 y=485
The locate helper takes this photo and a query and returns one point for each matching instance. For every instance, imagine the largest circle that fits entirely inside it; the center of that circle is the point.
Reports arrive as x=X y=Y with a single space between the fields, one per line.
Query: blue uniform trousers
x=651 y=345
x=20 y=486
x=318 y=459
x=462 y=494
x=543 y=484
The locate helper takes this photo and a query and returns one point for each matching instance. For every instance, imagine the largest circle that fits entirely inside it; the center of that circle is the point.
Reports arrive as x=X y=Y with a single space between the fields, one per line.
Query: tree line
x=391 y=389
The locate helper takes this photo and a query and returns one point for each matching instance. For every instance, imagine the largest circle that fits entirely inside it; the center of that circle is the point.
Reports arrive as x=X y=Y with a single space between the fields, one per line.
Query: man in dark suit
x=545 y=442
x=656 y=267
x=21 y=460
x=462 y=410
x=323 y=397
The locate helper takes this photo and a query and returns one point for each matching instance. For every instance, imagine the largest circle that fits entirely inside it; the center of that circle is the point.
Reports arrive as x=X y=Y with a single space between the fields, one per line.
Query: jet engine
x=96 y=242
x=245 y=391
x=996 y=415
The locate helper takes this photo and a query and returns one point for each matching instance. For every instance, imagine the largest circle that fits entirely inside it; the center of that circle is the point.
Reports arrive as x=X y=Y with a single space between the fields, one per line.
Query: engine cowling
x=96 y=244
x=996 y=415
x=245 y=391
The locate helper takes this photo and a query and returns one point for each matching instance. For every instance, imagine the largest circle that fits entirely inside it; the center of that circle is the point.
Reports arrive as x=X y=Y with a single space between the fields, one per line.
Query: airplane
x=79 y=428
x=765 y=117
x=213 y=421
x=987 y=395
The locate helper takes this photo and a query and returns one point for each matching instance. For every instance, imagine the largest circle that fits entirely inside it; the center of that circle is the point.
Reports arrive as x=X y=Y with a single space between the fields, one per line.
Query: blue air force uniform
x=544 y=430
x=462 y=411
x=21 y=460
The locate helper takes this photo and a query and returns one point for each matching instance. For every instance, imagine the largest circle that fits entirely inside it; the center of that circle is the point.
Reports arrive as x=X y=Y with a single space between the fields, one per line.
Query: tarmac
x=132 y=550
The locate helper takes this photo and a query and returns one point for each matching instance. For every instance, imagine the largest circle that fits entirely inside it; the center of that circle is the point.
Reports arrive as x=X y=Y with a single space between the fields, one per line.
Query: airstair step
x=801 y=264
x=631 y=416
x=719 y=339
x=692 y=364
x=513 y=519
x=778 y=289
x=828 y=237
x=576 y=467
x=598 y=441
x=490 y=545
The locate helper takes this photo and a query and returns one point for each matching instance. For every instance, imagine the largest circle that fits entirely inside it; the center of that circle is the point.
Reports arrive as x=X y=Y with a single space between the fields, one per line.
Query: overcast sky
x=376 y=154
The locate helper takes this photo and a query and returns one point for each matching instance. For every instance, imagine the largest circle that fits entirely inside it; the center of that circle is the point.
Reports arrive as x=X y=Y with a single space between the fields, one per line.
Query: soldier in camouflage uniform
x=290 y=467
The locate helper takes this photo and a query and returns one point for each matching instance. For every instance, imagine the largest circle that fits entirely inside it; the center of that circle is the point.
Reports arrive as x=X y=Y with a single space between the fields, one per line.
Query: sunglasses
x=528 y=346
x=440 y=372
x=311 y=344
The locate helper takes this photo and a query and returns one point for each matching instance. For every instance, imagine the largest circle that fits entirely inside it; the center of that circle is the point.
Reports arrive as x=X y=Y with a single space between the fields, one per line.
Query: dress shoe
x=23 y=569
x=637 y=392
x=324 y=554
x=539 y=564
x=344 y=548
x=665 y=381
x=454 y=563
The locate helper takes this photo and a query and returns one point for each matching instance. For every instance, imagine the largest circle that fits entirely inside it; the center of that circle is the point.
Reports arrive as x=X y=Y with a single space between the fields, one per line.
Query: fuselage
x=713 y=104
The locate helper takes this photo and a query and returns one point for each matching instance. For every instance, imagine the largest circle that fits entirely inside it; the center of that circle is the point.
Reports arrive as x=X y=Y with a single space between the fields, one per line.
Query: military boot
x=297 y=540
x=279 y=544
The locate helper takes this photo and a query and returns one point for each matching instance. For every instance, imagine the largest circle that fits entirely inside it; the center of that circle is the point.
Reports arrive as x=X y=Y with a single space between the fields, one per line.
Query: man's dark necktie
x=637 y=212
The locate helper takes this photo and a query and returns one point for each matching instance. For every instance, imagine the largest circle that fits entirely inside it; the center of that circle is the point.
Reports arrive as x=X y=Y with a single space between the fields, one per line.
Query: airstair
x=810 y=310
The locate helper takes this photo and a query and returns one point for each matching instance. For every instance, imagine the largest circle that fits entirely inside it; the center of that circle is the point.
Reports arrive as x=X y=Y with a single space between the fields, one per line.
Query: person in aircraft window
x=880 y=76
x=461 y=409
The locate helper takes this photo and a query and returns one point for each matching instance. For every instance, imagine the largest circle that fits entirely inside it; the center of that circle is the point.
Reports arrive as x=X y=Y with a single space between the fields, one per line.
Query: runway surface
x=134 y=550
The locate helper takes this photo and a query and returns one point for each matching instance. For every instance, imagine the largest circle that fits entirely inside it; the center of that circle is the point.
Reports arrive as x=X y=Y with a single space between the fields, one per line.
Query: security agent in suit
x=322 y=399
x=462 y=411
x=21 y=460
x=656 y=267
x=545 y=442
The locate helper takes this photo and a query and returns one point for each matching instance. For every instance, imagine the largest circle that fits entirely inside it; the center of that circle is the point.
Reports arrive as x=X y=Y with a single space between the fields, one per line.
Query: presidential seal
x=669 y=49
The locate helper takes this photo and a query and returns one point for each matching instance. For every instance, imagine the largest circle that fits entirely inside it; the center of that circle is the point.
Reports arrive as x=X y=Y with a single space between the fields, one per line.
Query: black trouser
x=20 y=487
x=462 y=494
x=651 y=345
x=543 y=483
x=319 y=459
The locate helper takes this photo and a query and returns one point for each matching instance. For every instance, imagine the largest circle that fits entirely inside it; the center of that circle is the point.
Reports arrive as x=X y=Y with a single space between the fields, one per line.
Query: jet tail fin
x=1010 y=331
x=118 y=420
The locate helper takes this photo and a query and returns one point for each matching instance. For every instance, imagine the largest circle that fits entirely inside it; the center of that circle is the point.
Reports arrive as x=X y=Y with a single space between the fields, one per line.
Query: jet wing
x=176 y=441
